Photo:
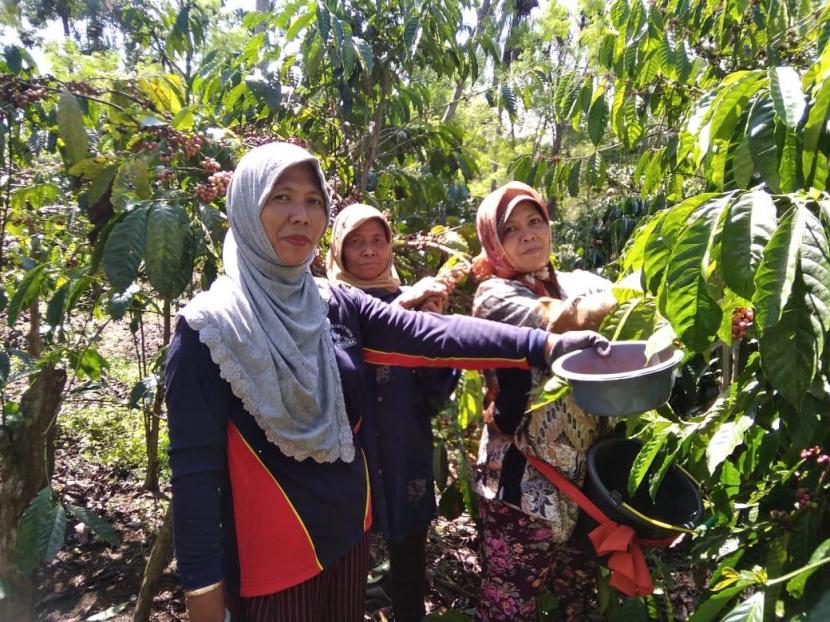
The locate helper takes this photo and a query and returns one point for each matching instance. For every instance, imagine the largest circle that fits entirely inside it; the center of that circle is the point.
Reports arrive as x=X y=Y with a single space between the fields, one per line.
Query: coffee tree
x=741 y=274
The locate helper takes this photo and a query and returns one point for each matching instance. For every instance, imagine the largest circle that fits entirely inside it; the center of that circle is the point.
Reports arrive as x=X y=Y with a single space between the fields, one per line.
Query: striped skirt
x=337 y=594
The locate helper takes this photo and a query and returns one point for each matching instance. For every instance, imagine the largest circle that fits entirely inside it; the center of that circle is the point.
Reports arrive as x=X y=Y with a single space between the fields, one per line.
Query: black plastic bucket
x=677 y=507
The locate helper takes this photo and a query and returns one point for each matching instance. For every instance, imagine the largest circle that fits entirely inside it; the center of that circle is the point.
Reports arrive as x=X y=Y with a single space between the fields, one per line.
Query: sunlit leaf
x=726 y=438
x=133 y=177
x=730 y=103
x=468 y=399
x=102 y=530
x=746 y=231
x=124 y=248
x=89 y=363
x=40 y=531
x=597 y=120
x=694 y=315
x=632 y=320
x=750 y=610
x=787 y=97
x=644 y=459
x=26 y=292
x=762 y=144
x=168 y=250
x=814 y=127
x=71 y=127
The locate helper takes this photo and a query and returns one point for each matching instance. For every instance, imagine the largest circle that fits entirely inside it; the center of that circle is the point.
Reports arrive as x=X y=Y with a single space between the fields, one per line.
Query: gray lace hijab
x=265 y=323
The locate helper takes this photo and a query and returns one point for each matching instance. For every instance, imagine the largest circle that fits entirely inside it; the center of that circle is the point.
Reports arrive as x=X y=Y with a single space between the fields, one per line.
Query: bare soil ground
x=90 y=581
x=89 y=578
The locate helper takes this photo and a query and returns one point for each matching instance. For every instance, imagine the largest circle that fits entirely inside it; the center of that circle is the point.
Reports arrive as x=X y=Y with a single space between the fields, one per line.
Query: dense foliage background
x=686 y=140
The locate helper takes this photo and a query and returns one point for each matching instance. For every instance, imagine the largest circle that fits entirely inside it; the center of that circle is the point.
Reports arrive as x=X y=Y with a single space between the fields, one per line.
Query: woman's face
x=525 y=237
x=365 y=251
x=294 y=216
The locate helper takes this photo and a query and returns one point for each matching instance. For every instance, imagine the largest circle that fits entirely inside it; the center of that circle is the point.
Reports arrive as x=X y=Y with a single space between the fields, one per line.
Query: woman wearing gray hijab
x=265 y=391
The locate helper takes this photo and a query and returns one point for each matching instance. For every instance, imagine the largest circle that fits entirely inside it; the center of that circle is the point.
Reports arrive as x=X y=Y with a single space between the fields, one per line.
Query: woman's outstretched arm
x=393 y=336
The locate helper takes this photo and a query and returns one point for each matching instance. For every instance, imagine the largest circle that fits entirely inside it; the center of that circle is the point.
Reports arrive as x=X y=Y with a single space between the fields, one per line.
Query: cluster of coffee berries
x=253 y=136
x=206 y=192
x=742 y=319
x=453 y=276
x=209 y=164
x=191 y=144
x=216 y=185
x=814 y=453
x=145 y=145
x=220 y=181
x=82 y=88
x=166 y=175
x=297 y=141
x=19 y=92
x=804 y=498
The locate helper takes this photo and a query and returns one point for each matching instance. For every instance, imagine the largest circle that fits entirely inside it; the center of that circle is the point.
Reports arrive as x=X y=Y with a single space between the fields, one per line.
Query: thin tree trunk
x=376 y=130
x=22 y=475
x=263 y=6
x=153 y=423
x=482 y=14
x=160 y=556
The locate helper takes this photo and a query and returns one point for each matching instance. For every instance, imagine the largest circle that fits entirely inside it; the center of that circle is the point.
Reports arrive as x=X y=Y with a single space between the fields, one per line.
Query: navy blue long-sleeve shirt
x=397 y=441
x=245 y=512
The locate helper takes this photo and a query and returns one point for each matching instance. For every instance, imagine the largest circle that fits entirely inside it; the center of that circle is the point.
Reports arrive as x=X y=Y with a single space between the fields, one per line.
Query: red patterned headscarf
x=493 y=260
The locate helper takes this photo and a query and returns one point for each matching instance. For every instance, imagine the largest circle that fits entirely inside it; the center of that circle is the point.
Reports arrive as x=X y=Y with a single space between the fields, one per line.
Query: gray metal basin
x=621 y=384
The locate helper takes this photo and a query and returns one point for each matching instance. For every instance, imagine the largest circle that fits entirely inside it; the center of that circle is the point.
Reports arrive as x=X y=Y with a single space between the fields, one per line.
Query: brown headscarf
x=494 y=210
x=349 y=219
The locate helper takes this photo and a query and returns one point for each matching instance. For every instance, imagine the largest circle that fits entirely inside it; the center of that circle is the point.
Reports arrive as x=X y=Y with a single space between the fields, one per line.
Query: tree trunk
x=160 y=556
x=153 y=418
x=263 y=6
x=23 y=473
x=482 y=13
x=377 y=127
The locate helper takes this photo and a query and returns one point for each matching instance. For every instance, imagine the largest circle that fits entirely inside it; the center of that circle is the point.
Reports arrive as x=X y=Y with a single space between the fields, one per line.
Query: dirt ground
x=88 y=580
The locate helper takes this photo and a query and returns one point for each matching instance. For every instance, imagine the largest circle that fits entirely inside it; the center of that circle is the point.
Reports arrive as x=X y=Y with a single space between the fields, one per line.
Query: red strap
x=629 y=572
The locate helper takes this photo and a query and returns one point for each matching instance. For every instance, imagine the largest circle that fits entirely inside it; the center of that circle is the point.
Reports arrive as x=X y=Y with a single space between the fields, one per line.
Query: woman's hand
x=435 y=304
x=559 y=345
x=208 y=606
x=580 y=313
x=428 y=294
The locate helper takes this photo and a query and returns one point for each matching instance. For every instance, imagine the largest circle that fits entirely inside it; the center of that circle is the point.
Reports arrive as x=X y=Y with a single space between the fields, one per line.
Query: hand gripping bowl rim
x=558 y=366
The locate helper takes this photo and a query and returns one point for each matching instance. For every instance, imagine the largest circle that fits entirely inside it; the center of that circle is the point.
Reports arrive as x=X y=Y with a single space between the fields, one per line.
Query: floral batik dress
x=526 y=520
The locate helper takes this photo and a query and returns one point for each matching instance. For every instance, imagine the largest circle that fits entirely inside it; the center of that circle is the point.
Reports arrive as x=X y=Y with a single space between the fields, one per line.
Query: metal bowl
x=620 y=384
